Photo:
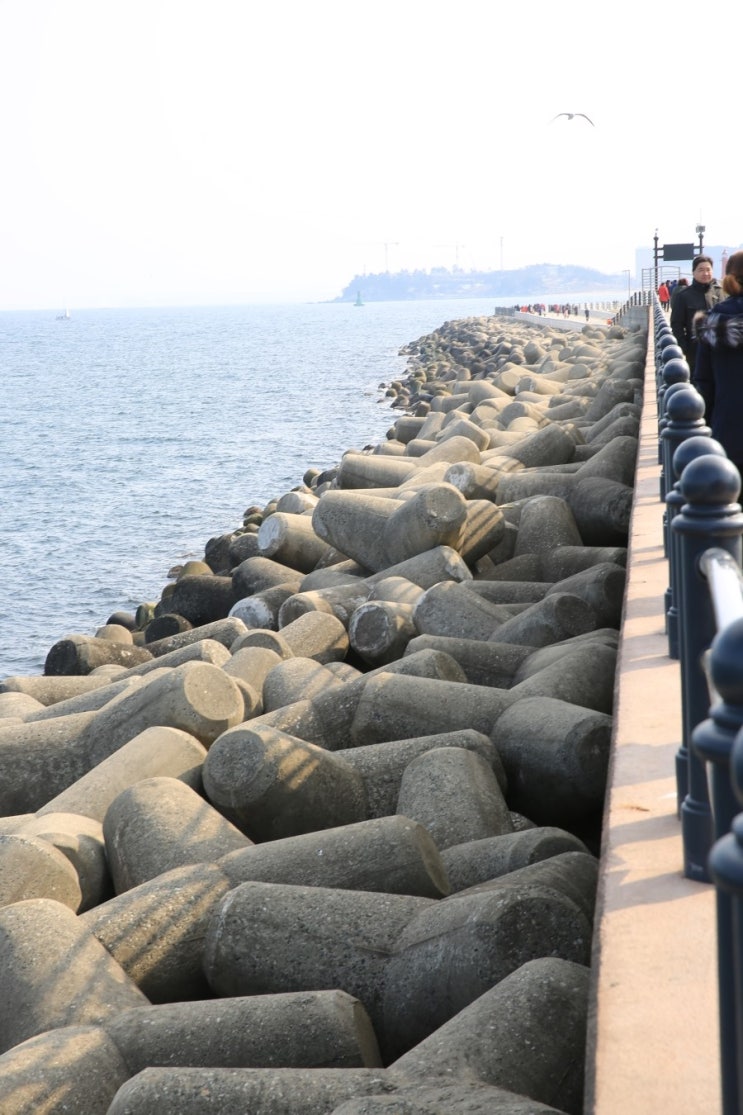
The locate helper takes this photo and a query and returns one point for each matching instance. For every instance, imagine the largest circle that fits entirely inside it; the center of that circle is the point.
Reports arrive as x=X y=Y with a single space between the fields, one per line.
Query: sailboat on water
x=65 y=316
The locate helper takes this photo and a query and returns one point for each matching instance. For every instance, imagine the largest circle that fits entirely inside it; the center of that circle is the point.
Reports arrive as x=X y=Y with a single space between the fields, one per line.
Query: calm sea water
x=128 y=438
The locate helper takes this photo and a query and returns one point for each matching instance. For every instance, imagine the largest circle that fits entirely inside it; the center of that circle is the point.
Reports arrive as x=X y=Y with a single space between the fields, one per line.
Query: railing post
x=709 y=517
x=684 y=415
x=688 y=451
x=726 y=869
x=683 y=419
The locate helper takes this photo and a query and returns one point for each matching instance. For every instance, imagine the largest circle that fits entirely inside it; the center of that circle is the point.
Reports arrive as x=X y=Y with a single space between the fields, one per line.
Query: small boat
x=358 y=301
x=64 y=317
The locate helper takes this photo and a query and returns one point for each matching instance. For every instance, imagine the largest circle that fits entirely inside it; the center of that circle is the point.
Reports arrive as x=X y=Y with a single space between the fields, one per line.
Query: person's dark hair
x=733 y=281
x=698 y=260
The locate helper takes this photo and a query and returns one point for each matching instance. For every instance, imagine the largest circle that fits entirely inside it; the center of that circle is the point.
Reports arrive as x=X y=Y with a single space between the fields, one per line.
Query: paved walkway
x=653 y=1035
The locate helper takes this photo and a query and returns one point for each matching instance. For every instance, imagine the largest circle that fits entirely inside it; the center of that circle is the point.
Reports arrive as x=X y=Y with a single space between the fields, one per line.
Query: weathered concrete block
x=156 y=930
x=526 y=1034
x=479 y=938
x=483 y=663
x=451 y=610
x=433 y=516
x=153 y=752
x=381 y=765
x=317 y=635
x=478 y=861
x=31 y=867
x=223 y=631
x=291 y=540
x=161 y=823
x=550 y=620
x=261 y=609
x=295 y=679
x=455 y=794
x=70 y=1070
x=354 y=522
x=380 y=630
x=258 y=573
x=77 y=1070
x=393 y=855
x=54 y=973
x=556 y=757
x=81 y=654
x=80 y=840
x=395 y=706
x=271 y=784
x=206 y=1091
x=50 y=690
x=306 y=938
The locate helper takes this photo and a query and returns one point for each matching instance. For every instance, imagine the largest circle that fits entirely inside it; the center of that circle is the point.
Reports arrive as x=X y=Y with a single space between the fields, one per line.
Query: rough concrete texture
x=351 y=803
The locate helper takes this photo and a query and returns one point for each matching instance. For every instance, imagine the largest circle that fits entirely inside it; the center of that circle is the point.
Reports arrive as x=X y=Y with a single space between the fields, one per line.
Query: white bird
x=572 y=115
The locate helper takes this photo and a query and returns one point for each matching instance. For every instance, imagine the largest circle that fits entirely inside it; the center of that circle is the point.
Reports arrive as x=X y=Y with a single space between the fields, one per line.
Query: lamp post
x=700 y=233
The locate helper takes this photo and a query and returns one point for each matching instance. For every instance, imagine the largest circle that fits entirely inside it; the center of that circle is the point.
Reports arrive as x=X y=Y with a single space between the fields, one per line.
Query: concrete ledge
x=653 y=1033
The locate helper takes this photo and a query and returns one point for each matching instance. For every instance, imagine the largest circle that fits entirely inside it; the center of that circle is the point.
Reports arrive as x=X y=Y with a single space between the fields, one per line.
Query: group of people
x=667 y=288
x=709 y=329
x=559 y=310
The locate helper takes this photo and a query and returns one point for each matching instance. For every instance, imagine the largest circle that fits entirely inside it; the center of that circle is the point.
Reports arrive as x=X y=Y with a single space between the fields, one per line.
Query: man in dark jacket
x=702 y=294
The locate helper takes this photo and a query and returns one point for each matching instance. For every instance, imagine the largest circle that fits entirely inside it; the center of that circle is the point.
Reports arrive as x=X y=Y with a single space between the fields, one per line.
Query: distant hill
x=439 y=282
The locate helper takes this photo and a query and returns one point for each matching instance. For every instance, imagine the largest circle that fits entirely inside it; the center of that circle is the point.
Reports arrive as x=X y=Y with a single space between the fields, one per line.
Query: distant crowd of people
x=554 y=309
x=709 y=329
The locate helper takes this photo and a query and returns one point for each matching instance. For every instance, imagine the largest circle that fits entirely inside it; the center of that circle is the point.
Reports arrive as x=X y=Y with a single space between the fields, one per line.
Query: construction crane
x=387 y=244
x=456 y=248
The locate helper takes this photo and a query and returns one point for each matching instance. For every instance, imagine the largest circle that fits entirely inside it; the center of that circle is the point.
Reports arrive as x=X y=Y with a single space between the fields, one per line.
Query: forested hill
x=439 y=282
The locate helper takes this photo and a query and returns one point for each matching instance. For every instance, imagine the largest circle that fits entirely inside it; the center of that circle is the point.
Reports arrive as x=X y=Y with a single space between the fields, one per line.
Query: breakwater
x=353 y=763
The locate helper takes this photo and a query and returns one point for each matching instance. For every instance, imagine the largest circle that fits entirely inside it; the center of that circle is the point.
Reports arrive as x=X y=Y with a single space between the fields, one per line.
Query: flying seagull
x=572 y=115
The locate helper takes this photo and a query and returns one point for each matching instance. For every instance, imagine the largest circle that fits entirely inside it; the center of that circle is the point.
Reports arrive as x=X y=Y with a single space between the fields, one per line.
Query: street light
x=701 y=229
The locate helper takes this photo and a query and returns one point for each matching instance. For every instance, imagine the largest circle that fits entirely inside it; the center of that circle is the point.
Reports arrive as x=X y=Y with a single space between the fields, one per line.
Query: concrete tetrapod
x=195 y=1091
x=526 y=1034
x=156 y=930
x=477 y=938
x=528 y=718
x=161 y=823
x=271 y=784
x=41 y=759
x=455 y=794
x=78 y=1070
x=384 y=952
x=382 y=765
x=54 y=973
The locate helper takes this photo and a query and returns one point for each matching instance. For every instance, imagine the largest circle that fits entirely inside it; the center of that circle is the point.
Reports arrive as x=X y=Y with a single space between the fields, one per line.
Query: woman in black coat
x=718 y=372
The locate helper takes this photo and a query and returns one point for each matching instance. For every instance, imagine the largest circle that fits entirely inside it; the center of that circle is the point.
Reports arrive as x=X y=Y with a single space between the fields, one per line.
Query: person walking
x=664 y=296
x=718 y=372
x=703 y=293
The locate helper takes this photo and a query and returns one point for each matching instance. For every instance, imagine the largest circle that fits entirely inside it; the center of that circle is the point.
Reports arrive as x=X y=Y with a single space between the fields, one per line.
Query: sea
x=130 y=437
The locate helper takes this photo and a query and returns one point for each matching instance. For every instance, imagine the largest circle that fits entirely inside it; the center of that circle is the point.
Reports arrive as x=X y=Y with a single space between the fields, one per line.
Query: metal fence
x=703 y=528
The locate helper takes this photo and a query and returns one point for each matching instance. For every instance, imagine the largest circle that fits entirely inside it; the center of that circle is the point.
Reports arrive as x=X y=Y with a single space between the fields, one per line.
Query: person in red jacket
x=664 y=296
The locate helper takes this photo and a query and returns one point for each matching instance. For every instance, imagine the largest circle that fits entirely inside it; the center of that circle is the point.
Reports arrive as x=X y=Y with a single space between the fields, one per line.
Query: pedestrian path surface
x=653 y=1032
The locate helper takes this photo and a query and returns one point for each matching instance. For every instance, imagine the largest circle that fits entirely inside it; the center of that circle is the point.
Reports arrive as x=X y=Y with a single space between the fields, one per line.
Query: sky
x=163 y=152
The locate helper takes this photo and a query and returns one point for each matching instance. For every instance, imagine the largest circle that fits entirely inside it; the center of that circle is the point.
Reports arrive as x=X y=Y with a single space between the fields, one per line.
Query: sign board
x=678 y=251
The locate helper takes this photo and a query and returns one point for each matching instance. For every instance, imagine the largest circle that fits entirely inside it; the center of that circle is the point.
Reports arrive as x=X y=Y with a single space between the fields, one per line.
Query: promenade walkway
x=653 y=1031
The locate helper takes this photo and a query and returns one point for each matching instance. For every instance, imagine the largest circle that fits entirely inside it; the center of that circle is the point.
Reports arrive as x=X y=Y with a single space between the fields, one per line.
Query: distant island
x=440 y=282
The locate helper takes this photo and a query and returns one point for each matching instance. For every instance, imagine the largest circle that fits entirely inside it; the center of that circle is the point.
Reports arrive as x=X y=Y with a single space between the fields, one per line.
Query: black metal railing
x=703 y=532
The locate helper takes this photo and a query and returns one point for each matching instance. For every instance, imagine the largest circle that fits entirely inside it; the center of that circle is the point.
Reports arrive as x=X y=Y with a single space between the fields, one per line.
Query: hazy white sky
x=207 y=151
